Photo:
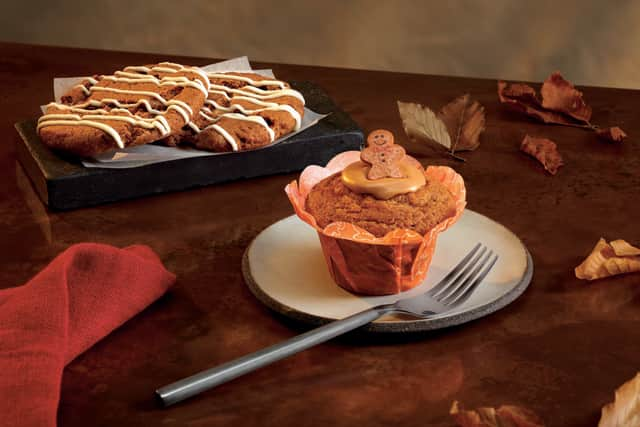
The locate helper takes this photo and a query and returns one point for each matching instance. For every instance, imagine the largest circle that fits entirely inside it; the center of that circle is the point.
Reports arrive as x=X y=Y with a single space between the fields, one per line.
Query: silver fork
x=453 y=290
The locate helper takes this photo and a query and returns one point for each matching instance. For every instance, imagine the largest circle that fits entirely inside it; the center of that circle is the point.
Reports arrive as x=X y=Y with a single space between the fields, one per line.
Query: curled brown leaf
x=609 y=259
x=612 y=134
x=504 y=416
x=561 y=104
x=545 y=150
x=624 y=411
x=560 y=95
x=624 y=248
x=465 y=122
x=510 y=92
x=523 y=98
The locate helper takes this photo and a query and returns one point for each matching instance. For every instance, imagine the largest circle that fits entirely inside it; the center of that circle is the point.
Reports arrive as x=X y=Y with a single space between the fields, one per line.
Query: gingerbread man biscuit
x=383 y=155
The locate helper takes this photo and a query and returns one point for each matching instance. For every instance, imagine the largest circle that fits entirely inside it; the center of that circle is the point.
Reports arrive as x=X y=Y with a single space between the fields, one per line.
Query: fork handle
x=195 y=384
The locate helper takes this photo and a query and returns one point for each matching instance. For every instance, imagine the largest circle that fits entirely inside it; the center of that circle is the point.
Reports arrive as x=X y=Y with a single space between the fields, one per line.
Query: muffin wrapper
x=361 y=262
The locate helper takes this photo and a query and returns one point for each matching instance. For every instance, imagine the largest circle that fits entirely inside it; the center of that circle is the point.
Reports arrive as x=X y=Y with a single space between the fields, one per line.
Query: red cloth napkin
x=84 y=294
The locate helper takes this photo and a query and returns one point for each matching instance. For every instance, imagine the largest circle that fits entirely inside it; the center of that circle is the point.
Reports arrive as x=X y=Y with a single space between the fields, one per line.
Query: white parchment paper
x=142 y=155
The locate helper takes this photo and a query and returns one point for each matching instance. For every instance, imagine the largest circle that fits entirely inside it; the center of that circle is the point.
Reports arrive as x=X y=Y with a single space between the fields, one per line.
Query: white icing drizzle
x=180 y=111
x=180 y=106
x=194 y=126
x=160 y=121
x=201 y=74
x=252 y=94
x=133 y=75
x=164 y=121
x=141 y=75
x=258 y=93
x=225 y=135
x=165 y=67
x=84 y=89
x=248 y=80
x=125 y=74
x=255 y=119
x=130 y=91
x=108 y=101
x=102 y=126
x=269 y=106
x=220 y=92
x=235 y=116
x=165 y=81
x=138 y=68
x=255 y=101
x=284 y=107
x=211 y=119
x=144 y=102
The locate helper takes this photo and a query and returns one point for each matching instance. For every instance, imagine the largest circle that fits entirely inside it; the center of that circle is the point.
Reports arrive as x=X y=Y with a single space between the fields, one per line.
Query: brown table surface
x=561 y=349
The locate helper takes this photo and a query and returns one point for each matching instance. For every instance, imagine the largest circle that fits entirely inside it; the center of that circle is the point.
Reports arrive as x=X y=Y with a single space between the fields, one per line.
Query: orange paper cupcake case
x=361 y=262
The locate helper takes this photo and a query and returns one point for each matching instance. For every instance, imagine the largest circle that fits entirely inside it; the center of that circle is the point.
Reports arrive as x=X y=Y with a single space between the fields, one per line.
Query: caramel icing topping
x=355 y=178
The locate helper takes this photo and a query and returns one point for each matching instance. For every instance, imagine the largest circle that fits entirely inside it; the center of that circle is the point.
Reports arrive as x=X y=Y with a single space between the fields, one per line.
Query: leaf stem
x=453 y=154
x=454 y=144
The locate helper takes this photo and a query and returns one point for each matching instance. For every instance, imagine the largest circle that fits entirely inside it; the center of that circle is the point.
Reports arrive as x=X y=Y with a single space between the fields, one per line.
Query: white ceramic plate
x=285 y=269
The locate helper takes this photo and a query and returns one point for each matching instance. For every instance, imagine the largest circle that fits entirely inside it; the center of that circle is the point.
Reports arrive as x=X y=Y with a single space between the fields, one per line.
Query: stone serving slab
x=63 y=183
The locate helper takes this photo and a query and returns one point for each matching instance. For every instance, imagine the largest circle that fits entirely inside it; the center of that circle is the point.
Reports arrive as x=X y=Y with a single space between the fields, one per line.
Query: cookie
x=243 y=111
x=383 y=155
x=134 y=106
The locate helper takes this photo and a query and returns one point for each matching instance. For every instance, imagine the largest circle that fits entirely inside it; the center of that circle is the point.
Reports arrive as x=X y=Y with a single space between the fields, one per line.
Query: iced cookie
x=134 y=106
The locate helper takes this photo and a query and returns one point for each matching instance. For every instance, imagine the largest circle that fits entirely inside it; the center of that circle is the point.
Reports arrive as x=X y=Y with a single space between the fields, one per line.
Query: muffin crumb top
x=331 y=201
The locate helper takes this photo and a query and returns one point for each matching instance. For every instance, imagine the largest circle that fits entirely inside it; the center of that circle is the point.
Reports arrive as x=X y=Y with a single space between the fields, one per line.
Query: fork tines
x=458 y=285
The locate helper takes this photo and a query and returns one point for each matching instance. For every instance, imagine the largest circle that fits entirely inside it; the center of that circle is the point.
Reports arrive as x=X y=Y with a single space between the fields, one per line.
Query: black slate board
x=63 y=183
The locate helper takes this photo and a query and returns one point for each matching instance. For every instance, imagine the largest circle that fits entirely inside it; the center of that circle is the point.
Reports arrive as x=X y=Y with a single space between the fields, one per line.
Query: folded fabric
x=81 y=296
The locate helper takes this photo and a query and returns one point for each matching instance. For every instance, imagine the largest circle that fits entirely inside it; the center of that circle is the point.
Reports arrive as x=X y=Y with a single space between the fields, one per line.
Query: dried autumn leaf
x=504 y=416
x=510 y=92
x=421 y=125
x=457 y=127
x=519 y=416
x=523 y=98
x=481 y=417
x=561 y=104
x=465 y=122
x=560 y=95
x=604 y=261
x=613 y=134
x=624 y=411
x=623 y=248
x=545 y=150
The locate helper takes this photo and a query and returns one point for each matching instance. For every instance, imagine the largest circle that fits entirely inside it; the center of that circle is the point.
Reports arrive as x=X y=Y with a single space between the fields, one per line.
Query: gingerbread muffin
x=378 y=214
x=243 y=111
x=136 y=105
x=332 y=200
x=402 y=199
